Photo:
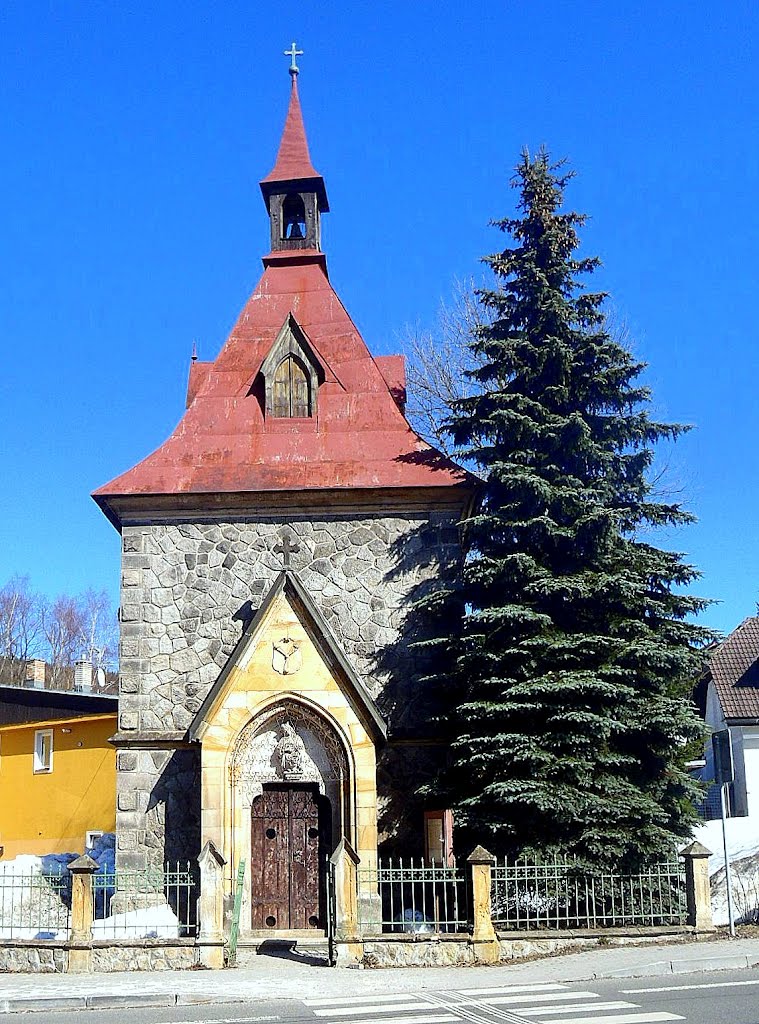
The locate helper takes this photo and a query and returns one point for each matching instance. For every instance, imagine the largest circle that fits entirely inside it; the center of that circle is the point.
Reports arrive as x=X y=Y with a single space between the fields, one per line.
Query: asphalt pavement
x=699 y=998
x=282 y=984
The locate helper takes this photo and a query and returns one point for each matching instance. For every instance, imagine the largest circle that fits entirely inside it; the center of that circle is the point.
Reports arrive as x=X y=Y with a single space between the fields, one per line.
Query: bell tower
x=294 y=191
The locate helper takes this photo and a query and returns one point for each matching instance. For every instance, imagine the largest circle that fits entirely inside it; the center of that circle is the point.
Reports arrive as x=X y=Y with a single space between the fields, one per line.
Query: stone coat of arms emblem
x=286 y=658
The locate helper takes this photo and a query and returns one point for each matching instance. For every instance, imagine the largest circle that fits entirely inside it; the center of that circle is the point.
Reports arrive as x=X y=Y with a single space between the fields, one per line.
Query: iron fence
x=35 y=905
x=559 y=895
x=412 y=896
x=156 y=903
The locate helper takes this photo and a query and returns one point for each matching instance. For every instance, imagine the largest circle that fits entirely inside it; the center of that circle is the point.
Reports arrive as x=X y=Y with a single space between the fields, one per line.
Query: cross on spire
x=292 y=53
x=286 y=547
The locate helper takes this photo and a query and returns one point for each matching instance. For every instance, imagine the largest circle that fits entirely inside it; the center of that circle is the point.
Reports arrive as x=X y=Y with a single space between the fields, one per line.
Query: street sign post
x=724 y=775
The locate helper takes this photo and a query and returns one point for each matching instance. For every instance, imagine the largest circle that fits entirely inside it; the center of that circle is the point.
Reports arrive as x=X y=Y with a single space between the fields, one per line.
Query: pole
x=728 y=877
x=235 y=929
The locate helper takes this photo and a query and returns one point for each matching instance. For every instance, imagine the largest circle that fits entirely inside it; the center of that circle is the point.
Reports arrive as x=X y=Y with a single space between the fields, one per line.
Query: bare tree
x=63 y=629
x=99 y=631
x=80 y=628
x=71 y=628
x=21 y=633
x=437 y=363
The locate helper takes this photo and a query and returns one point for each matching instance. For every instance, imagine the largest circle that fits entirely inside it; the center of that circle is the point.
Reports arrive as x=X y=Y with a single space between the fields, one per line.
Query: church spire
x=293 y=159
x=293 y=190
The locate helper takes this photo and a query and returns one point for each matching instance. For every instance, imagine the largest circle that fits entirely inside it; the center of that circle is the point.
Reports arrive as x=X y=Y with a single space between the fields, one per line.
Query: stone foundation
x=31 y=957
x=458 y=950
x=417 y=951
x=28 y=956
x=540 y=944
x=144 y=955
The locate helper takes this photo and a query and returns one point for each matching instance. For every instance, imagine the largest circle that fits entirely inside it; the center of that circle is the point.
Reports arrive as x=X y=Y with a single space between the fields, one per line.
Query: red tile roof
x=734 y=668
x=358 y=439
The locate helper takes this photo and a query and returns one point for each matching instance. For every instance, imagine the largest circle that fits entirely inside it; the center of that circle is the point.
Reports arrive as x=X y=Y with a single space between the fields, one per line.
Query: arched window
x=291 y=375
x=291 y=391
x=293 y=218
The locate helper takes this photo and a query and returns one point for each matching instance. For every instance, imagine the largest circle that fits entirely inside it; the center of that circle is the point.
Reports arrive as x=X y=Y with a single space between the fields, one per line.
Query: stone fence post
x=211 y=907
x=347 y=946
x=80 y=946
x=698 y=891
x=484 y=939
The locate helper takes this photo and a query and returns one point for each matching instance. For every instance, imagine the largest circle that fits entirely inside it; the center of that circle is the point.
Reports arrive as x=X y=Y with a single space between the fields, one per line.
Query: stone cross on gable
x=292 y=53
x=287 y=546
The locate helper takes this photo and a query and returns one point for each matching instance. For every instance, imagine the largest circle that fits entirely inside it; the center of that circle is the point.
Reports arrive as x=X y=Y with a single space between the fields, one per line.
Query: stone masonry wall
x=188 y=589
x=32 y=957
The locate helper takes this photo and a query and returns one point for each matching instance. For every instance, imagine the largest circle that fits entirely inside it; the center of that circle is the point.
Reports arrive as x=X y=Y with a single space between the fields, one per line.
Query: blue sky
x=134 y=137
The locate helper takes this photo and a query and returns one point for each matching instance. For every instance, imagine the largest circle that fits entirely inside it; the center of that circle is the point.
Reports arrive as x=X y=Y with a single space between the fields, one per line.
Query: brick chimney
x=82 y=675
x=35 y=673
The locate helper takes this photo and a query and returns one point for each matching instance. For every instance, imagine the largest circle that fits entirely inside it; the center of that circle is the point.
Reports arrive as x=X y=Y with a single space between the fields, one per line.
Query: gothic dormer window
x=291 y=374
x=291 y=393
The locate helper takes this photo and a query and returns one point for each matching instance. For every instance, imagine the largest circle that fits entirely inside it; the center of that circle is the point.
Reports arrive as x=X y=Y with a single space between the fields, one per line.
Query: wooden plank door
x=304 y=856
x=286 y=883
x=269 y=861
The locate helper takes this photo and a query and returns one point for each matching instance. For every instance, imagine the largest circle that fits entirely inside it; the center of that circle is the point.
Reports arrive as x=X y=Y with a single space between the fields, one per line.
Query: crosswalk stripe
x=622 y=1018
x=350 y=1011
x=472 y=1010
x=541 y=1011
x=529 y=997
x=378 y=997
x=439 y=1018
x=508 y=989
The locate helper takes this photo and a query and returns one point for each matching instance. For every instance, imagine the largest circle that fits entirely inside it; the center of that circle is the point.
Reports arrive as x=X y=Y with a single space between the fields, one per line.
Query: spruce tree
x=576 y=652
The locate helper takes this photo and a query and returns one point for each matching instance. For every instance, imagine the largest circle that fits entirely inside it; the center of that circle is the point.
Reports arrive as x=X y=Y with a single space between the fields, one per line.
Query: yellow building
x=57 y=770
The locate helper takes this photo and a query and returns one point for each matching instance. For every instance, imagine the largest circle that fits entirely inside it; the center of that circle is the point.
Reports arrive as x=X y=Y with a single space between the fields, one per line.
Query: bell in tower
x=293 y=218
x=294 y=191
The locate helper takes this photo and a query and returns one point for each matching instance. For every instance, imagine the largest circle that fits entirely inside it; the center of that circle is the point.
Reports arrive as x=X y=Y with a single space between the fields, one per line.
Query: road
x=724 y=997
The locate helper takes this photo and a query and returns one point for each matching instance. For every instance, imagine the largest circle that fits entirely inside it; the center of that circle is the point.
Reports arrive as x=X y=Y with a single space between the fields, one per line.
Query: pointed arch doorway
x=287 y=715
x=292 y=786
x=290 y=841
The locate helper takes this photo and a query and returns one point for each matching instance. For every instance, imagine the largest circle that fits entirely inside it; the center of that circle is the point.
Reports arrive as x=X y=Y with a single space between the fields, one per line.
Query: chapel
x=273 y=551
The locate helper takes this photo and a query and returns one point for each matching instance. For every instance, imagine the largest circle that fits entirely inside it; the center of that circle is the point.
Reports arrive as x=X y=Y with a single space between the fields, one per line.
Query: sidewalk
x=280 y=977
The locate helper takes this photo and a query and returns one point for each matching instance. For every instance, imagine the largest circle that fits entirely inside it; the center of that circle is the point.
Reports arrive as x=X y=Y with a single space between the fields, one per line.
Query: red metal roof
x=358 y=438
x=293 y=160
x=225 y=443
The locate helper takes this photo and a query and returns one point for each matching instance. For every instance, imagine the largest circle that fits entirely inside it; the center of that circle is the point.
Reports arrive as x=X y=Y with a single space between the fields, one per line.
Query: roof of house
x=22 y=704
x=358 y=438
x=734 y=670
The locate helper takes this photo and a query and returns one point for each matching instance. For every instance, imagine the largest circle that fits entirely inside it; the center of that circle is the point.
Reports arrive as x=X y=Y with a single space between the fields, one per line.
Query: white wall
x=741 y=832
x=750 y=765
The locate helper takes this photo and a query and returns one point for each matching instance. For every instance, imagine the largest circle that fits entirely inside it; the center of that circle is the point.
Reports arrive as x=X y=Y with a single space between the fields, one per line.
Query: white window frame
x=90 y=836
x=42 y=767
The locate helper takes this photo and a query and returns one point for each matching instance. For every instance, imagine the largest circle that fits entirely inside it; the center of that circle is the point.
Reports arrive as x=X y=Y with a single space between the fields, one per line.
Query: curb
x=663 y=968
x=32 y=1005
x=114 y=1002
x=99 y=1002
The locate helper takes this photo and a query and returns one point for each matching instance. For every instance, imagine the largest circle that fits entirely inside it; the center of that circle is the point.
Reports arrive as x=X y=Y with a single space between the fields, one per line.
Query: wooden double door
x=290 y=832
